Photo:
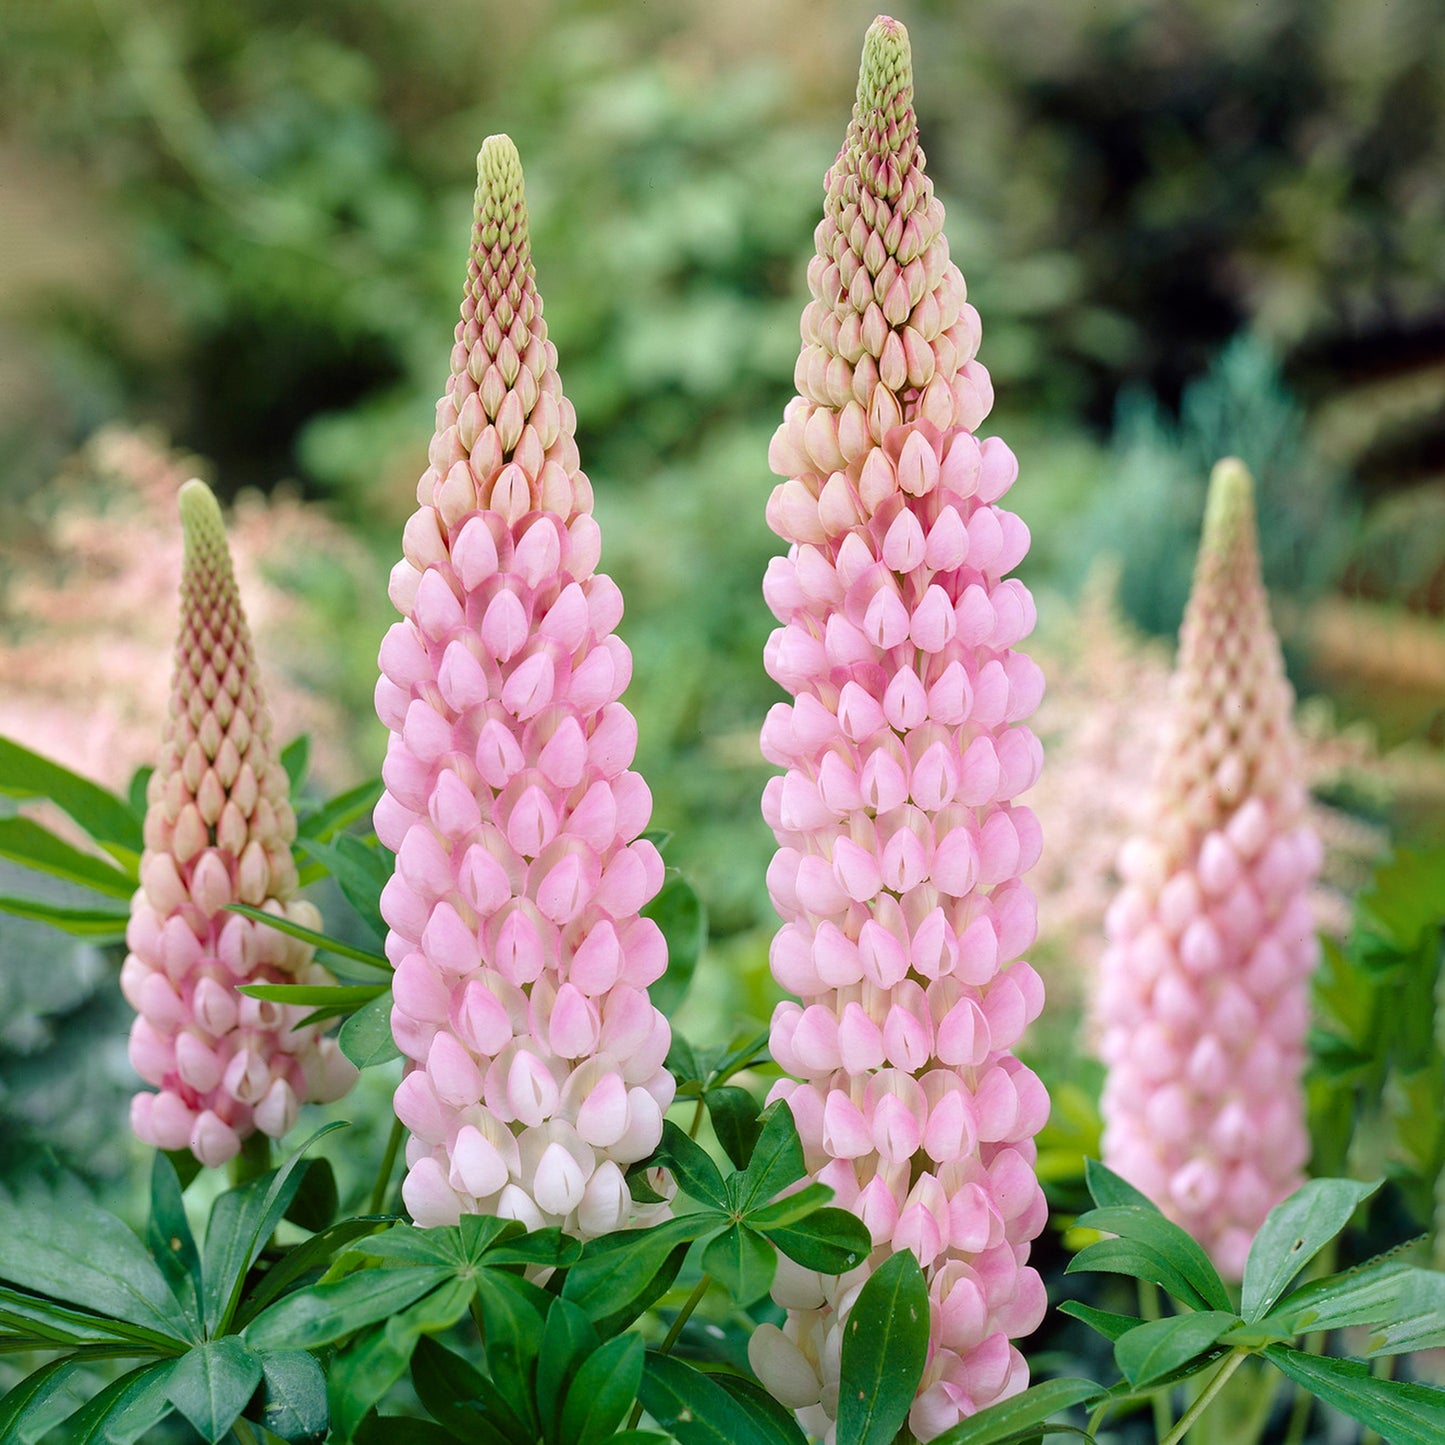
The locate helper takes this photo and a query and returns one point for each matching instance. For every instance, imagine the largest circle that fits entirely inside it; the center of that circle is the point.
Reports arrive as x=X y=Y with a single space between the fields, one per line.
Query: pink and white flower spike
x=901 y=843
x=1203 y=999
x=218 y=830
x=535 y=1058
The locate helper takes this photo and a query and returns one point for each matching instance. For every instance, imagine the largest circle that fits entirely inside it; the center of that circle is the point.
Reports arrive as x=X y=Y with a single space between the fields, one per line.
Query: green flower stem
x=670 y=1339
x=1232 y=1362
x=388 y=1163
x=697 y=1117
x=1159 y=1400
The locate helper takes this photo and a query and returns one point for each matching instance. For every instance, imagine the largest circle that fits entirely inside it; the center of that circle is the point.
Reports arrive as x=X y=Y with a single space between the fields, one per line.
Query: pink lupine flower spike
x=535 y=1073
x=1203 y=992
x=218 y=830
x=901 y=847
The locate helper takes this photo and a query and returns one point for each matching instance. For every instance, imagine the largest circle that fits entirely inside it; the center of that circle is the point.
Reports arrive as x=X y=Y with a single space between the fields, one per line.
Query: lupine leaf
x=341 y=811
x=885 y=1346
x=800 y=1204
x=467 y=1404
x=695 y=1408
x=84 y=1256
x=1417 y=1321
x=343 y=997
x=734 y=1113
x=567 y=1339
x=775 y=1419
x=328 y=1312
x=100 y=925
x=126 y=1410
x=832 y=1241
x=360 y=871
x=296 y=758
x=365 y=1037
x=1402 y=1412
x=1293 y=1233
x=295 y=1395
x=1158 y=1347
x=1107 y=1189
x=697 y=1176
x=619 y=1275
x=678 y=912
x=25 y=1404
x=1106 y=1322
x=301 y=1260
x=170 y=1239
x=107 y=818
x=27 y=843
x=777 y=1159
x=1013 y=1418
x=512 y=1329
x=603 y=1391
x=1178 y=1248
x=321 y=942
x=547 y=1248
x=212 y=1384
x=1366 y=1295
x=744 y=1263
x=1138 y=1261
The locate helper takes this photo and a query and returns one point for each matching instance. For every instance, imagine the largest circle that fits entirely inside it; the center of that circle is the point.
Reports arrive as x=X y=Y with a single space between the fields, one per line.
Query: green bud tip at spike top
x=218 y=830
x=884 y=129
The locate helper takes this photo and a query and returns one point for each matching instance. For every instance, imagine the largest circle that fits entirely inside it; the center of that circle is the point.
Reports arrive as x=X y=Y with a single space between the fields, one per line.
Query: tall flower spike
x=535 y=1072
x=900 y=846
x=218 y=830
x=1203 y=990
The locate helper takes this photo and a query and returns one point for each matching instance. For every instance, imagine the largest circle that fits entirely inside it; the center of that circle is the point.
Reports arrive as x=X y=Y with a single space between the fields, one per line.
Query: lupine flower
x=1203 y=991
x=900 y=848
x=218 y=830
x=522 y=966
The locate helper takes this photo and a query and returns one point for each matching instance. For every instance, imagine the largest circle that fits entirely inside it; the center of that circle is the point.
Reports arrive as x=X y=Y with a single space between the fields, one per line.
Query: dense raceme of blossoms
x=218 y=830
x=1203 y=993
x=900 y=848
x=536 y=1059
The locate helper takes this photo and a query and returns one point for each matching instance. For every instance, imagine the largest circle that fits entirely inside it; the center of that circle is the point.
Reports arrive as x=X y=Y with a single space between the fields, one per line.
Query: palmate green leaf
x=885 y=1346
x=734 y=1114
x=568 y=1337
x=406 y=1244
x=110 y=820
x=365 y=1037
x=791 y=1208
x=27 y=1408
x=310 y=1256
x=1013 y=1418
x=99 y=925
x=361 y=873
x=1107 y=1189
x=743 y=1262
x=1106 y=1322
x=1293 y=1233
x=27 y=843
x=83 y=1256
x=126 y=1410
x=1180 y=1250
x=697 y=1176
x=777 y=1159
x=1417 y=1320
x=1138 y=1261
x=321 y=942
x=603 y=1391
x=678 y=912
x=512 y=1329
x=294 y=1395
x=170 y=1239
x=695 y=1409
x=241 y=1222
x=325 y=1313
x=1159 y=1347
x=767 y=1414
x=1403 y=1413
x=212 y=1384
x=831 y=1241
x=340 y=812
x=467 y=1404
x=619 y=1275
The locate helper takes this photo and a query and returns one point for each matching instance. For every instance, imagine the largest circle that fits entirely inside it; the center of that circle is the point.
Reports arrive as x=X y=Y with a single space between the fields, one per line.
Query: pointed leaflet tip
x=501 y=206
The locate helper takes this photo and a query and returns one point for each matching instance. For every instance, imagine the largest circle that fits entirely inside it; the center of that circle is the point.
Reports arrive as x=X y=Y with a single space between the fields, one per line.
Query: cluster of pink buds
x=218 y=831
x=1203 y=992
x=535 y=1072
x=900 y=846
